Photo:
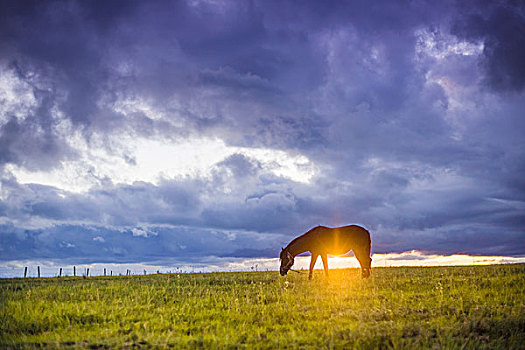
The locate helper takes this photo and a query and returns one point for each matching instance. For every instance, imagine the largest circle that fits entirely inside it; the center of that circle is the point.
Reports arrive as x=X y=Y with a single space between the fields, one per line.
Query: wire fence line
x=106 y=272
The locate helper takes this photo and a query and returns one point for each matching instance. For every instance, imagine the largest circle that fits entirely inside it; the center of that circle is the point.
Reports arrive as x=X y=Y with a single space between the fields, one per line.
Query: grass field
x=439 y=307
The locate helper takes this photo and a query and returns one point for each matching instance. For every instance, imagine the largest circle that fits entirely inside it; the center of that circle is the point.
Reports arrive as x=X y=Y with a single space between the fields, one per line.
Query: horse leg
x=364 y=261
x=325 y=263
x=312 y=264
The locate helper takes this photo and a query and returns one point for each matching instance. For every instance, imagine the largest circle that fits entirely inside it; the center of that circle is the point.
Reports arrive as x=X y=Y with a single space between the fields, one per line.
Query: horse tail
x=368 y=255
x=369 y=244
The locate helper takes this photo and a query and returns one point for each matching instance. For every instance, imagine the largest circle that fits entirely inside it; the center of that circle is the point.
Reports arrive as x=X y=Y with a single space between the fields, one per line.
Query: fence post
x=25 y=272
x=60 y=273
x=104 y=272
x=144 y=272
x=111 y=273
x=87 y=272
x=38 y=267
x=74 y=271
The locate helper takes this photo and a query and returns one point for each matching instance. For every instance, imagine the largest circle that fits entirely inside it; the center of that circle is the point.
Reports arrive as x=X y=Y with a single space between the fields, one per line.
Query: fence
x=104 y=273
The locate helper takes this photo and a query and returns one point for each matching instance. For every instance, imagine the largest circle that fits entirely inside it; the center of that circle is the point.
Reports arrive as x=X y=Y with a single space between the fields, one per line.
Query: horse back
x=340 y=240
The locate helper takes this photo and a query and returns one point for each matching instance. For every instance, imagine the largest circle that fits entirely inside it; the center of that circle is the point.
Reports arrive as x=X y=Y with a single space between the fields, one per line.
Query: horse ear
x=282 y=249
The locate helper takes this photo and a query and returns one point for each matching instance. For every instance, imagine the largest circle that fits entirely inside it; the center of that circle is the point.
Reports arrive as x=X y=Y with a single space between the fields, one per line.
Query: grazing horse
x=323 y=240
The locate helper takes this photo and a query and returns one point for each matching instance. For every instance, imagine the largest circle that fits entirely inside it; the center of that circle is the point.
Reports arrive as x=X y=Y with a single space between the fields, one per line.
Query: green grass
x=440 y=307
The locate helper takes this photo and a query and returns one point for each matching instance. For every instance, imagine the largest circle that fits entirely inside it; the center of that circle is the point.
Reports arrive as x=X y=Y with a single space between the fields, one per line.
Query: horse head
x=287 y=261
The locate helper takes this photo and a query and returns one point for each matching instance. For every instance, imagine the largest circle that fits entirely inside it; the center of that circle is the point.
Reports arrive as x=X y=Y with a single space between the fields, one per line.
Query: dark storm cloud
x=240 y=165
x=501 y=26
x=423 y=220
x=405 y=137
x=32 y=140
x=101 y=244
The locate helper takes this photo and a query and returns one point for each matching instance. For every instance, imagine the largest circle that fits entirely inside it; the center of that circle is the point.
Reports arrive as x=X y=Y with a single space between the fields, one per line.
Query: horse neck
x=298 y=245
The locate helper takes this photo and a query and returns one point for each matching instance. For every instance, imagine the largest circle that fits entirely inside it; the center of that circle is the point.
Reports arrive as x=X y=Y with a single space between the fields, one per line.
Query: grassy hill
x=444 y=307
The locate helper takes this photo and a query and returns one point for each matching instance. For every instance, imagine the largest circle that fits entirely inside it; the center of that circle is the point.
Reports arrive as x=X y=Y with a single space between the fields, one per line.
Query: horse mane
x=303 y=235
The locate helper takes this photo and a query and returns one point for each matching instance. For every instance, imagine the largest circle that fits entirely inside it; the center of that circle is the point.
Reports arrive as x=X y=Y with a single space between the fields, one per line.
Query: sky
x=169 y=133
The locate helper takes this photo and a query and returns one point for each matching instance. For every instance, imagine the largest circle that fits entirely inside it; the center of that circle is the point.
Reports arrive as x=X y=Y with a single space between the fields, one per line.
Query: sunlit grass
x=444 y=307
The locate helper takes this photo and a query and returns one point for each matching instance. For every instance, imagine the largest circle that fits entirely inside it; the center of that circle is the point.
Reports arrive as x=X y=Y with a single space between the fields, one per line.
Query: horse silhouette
x=323 y=240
